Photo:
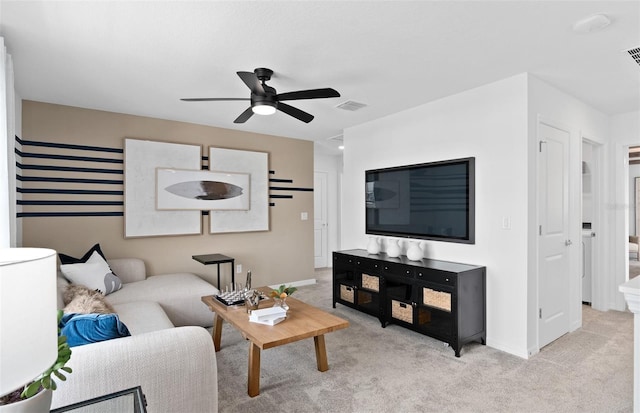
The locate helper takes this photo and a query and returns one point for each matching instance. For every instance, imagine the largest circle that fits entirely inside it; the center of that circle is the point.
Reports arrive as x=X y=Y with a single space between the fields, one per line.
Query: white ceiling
x=141 y=57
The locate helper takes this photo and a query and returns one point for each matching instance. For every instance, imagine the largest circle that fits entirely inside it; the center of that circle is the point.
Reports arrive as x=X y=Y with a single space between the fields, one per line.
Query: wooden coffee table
x=303 y=321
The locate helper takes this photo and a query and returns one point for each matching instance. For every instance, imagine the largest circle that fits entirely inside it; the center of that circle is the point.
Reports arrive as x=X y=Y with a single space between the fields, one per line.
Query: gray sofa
x=169 y=353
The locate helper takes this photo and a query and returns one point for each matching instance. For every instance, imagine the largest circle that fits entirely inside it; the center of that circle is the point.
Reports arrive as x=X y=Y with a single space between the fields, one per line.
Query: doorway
x=320 y=220
x=554 y=271
x=590 y=213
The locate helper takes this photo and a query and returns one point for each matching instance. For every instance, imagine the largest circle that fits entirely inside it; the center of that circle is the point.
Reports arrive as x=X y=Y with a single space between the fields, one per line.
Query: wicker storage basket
x=346 y=293
x=371 y=282
x=402 y=311
x=437 y=299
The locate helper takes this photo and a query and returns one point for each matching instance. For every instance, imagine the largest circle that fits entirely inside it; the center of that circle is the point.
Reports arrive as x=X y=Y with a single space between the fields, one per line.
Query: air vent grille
x=635 y=54
x=351 y=105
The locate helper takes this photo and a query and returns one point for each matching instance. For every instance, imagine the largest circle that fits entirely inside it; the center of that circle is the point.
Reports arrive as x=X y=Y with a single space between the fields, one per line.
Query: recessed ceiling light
x=591 y=24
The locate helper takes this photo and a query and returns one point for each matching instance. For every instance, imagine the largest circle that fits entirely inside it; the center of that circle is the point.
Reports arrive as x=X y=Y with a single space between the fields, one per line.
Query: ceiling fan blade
x=251 y=80
x=309 y=94
x=210 y=99
x=295 y=112
x=244 y=116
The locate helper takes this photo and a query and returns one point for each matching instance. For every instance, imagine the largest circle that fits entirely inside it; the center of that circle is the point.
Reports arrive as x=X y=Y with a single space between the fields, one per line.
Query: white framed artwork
x=141 y=217
x=256 y=165
x=201 y=190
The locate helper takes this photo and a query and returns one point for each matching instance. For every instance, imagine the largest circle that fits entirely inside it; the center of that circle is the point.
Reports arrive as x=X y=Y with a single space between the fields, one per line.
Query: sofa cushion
x=179 y=295
x=143 y=316
x=81 y=329
x=68 y=259
x=93 y=273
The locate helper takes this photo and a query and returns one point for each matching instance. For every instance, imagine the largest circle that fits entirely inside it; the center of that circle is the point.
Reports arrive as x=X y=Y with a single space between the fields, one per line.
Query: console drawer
x=343 y=260
x=435 y=276
x=398 y=270
x=366 y=264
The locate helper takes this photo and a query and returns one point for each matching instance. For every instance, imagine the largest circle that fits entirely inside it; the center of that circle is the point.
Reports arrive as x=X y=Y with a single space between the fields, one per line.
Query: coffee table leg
x=217 y=331
x=253 y=382
x=321 y=353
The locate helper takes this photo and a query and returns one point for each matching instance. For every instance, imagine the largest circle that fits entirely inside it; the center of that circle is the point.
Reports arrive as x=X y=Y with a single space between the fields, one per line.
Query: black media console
x=441 y=299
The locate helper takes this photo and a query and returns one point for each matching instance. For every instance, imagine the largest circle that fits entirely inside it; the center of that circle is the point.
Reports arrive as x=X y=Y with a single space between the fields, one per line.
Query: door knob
x=568 y=242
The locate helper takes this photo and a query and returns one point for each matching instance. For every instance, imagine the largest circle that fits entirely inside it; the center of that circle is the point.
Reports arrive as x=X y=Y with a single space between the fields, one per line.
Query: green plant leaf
x=60 y=375
x=30 y=390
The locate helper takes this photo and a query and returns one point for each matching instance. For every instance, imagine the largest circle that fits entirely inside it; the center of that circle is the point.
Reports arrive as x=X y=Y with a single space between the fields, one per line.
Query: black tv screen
x=427 y=201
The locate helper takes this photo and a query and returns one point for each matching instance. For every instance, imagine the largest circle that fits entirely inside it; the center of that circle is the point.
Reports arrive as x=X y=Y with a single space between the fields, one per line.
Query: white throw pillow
x=94 y=274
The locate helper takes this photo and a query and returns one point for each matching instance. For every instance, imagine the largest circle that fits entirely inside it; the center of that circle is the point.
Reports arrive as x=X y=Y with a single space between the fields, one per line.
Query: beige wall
x=282 y=254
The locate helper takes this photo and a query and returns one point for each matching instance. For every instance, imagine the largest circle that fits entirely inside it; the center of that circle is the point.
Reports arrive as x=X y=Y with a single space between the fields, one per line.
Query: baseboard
x=507 y=349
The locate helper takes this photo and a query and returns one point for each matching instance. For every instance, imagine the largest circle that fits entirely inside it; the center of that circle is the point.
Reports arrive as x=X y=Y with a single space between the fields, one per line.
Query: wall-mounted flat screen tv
x=433 y=201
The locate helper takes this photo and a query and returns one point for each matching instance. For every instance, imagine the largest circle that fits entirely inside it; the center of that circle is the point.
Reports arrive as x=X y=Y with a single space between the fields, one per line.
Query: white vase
x=373 y=247
x=393 y=248
x=40 y=403
x=415 y=253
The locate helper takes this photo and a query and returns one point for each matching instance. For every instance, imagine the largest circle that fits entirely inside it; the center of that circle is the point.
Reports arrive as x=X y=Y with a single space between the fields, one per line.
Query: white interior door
x=554 y=242
x=320 y=242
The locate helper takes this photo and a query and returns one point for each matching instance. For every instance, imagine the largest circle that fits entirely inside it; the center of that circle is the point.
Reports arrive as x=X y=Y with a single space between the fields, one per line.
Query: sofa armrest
x=128 y=269
x=176 y=369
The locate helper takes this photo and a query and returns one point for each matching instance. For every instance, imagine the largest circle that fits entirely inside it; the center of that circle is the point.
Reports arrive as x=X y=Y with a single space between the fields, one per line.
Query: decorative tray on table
x=234 y=297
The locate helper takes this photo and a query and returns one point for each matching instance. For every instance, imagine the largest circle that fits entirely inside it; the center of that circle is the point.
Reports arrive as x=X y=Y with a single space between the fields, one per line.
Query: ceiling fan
x=265 y=100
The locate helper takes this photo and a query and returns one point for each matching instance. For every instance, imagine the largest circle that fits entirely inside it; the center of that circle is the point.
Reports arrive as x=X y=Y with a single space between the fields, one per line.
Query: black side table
x=218 y=259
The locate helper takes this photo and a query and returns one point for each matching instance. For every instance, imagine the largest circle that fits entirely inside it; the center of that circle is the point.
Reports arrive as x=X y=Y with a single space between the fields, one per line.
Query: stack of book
x=269 y=316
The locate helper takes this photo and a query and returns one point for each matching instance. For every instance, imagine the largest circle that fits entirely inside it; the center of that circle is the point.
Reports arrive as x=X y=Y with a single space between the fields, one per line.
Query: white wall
x=489 y=123
x=568 y=113
x=332 y=165
x=634 y=172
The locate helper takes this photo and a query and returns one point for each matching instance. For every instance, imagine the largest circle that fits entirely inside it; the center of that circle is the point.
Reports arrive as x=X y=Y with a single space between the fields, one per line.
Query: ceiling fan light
x=263 y=109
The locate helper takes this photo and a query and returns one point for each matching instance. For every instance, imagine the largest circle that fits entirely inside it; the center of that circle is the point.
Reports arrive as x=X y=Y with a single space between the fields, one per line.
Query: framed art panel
x=141 y=217
x=256 y=164
x=201 y=190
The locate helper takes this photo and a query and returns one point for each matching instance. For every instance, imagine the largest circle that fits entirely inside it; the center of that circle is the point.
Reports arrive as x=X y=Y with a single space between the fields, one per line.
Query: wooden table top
x=303 y=321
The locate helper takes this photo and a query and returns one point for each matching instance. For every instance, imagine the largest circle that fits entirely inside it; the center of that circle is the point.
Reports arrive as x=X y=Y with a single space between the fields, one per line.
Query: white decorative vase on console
x=415 y=253
x=373 y=247
x=393 y=248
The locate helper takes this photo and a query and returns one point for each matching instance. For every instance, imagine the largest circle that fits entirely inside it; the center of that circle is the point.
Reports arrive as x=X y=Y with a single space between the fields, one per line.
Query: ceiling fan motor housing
x=263 y=74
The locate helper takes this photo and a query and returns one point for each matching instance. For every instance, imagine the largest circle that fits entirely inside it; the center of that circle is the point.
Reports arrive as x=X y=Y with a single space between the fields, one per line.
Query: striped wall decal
x=68 y=180
x=279 y=188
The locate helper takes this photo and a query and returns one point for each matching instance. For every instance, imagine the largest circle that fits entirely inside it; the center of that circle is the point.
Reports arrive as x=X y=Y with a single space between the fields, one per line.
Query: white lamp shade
x=28 y=315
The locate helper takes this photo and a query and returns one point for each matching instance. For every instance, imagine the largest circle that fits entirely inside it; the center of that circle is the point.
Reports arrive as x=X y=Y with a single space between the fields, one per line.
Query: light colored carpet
x=374 y=369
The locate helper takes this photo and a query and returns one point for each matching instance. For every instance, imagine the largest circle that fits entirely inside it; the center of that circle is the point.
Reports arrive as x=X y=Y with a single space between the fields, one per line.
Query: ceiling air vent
x=635 y=54
x=351 y=105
